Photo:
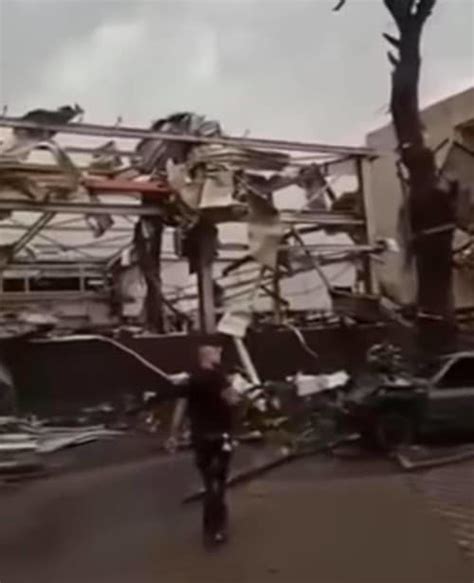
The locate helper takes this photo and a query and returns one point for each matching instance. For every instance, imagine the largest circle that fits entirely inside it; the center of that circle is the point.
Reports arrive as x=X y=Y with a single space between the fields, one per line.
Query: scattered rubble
x=25 y=444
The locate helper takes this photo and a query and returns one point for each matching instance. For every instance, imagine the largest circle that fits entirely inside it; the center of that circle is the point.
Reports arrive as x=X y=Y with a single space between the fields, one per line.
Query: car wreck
x=392 y=406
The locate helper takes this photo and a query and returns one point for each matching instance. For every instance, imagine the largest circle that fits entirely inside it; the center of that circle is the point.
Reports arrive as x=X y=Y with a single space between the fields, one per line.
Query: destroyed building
x=179 y=228
x=81 y=264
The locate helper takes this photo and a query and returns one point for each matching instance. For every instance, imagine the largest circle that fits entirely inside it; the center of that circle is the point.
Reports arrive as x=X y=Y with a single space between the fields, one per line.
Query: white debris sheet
x=311 y=384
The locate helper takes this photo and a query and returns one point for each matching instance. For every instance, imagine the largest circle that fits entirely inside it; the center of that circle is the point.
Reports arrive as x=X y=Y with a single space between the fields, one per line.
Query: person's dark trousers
x=213 y=463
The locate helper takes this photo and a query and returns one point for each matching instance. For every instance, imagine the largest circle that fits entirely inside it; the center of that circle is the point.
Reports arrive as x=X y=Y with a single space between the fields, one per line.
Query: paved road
x=322 y=520
x=449 y=491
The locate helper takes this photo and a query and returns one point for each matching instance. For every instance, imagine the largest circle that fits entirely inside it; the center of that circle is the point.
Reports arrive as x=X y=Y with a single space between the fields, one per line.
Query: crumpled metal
x=98 y=224
x=23 y=141
x=186 y=187
x=106 y=158
x=15 y=179
x=132 y=290
x=237 y=158
x=153 y=154
x=265 y=231
x=315 y=186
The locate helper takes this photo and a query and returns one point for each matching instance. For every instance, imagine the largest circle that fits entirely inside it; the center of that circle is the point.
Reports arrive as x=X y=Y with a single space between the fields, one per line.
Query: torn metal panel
x=265 y=231
x=23 y=141
x=99 y=224
x=218 y=189
x=188 y=189
x=153 y=154
x=18 y=177
x=106 y=158
x=307 y=385
x=235 y=323
x=238 y=158
x=133 y=291
x=316 y=187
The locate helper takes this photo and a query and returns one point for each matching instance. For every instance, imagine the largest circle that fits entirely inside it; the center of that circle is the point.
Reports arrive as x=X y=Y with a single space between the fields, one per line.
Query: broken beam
x=141 y=134
x=63 y=228
x=103 y=185
x=31 y=233
x=287 y=217
x=53 y=296
x=78 y=208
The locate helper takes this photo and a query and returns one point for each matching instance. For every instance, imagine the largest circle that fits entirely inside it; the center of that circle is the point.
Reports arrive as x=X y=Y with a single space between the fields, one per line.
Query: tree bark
x=430 y=209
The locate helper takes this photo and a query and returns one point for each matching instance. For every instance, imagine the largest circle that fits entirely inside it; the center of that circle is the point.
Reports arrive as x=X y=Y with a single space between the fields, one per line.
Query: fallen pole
x=250 y=473
x=450 y=457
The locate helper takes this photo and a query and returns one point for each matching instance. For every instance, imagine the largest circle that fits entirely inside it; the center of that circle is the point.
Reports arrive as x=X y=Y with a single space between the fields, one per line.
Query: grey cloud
x=290 y=68
x=34 y=31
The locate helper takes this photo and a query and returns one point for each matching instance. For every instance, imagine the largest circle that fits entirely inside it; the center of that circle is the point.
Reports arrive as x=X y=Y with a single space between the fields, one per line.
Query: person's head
x=209 y=356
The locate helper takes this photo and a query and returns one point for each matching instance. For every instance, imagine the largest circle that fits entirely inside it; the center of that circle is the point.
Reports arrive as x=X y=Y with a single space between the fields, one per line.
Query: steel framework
x=123 y=199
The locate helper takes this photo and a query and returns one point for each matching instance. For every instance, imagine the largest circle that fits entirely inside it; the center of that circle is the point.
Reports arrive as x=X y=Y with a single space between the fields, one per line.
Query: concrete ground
x=322 y=520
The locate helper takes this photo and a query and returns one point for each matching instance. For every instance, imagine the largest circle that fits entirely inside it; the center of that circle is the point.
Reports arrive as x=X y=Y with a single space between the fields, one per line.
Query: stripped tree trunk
x=430 y=209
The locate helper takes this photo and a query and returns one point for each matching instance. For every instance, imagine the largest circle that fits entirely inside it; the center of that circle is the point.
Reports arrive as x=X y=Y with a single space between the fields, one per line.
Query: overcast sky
x=281 y=68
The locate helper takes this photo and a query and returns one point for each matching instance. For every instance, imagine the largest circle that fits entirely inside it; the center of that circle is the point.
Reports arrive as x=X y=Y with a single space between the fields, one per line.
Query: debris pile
x=25 y=444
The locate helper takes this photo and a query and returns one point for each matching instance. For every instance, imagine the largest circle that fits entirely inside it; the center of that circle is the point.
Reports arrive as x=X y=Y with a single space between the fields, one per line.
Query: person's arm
x=171 y=392
x=182 y=392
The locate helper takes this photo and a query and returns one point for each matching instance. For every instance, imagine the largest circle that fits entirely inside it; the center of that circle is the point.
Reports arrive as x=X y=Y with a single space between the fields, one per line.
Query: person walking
x=210 y=401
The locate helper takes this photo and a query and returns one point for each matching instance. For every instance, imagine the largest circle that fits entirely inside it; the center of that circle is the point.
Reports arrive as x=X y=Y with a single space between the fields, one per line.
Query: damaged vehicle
x=393 y=407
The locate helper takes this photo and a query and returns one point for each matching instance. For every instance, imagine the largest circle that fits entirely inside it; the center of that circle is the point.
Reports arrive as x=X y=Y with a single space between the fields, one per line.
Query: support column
x=148 y=241
x=364 y=185
x=206 y=242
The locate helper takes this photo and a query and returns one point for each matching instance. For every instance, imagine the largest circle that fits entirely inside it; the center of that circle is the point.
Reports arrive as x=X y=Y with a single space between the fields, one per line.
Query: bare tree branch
x=424 y=9
x=393 y=59
x=395 y=42
x=394 y=7
x=410 y=5
x=339 y=5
